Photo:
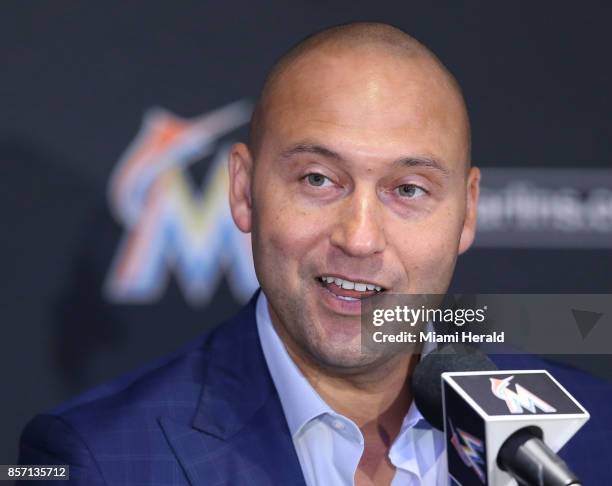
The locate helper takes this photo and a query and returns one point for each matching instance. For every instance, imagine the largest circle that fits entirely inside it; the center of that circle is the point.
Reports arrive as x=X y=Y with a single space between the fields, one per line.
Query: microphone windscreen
x=426 y=381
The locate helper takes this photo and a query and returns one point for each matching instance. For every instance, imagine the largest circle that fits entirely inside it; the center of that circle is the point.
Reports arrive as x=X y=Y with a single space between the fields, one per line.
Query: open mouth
x=349 y=290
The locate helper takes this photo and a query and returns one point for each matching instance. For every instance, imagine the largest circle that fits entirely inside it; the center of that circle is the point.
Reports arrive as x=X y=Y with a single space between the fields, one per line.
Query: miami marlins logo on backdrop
x=519 y=399
x=470 y=450
x=170 y=226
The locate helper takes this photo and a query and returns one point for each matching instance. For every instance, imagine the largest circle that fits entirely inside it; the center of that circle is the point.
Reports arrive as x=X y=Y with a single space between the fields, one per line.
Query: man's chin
x=345 y=359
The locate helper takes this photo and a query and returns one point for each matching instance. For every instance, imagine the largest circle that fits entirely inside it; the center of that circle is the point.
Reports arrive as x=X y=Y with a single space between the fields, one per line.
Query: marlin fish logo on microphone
x=519 y=400
x=469 y=448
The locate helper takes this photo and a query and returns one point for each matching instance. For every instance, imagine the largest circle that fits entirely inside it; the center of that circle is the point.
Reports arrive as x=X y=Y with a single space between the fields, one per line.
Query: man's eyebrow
x=309 y=148
x=422 y=162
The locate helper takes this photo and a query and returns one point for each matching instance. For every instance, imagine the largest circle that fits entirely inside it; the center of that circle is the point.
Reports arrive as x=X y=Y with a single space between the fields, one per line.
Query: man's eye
x=316 y=179
x=410 y=191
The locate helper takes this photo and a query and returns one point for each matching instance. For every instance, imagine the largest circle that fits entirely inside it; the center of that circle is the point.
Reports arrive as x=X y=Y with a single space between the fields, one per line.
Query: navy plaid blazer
x=209 y=415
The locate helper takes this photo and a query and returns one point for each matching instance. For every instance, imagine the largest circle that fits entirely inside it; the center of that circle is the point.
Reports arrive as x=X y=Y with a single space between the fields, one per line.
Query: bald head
x=384 y=43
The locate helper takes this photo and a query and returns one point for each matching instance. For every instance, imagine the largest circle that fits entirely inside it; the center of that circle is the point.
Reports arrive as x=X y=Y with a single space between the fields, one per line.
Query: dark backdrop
x=78 y=77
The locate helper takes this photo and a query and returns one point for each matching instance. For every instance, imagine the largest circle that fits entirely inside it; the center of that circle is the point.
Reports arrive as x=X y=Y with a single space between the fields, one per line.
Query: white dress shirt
x=329 y=446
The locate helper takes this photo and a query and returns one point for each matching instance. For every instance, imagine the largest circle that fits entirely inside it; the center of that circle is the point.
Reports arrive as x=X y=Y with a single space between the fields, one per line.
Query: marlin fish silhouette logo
x=519 y=400
x=172 y=227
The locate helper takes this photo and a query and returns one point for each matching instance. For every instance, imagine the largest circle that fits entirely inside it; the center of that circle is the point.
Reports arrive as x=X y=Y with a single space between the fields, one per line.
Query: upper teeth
x=347 y=284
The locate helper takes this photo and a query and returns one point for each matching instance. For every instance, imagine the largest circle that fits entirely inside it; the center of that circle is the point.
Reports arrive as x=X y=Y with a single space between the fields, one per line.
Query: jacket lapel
x=239 y=434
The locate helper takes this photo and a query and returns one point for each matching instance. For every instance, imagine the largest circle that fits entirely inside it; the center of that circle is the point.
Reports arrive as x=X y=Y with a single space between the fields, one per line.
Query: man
x=356 y=180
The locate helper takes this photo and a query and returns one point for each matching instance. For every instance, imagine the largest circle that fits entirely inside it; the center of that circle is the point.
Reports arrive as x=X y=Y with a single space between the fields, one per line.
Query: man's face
x=360 y=180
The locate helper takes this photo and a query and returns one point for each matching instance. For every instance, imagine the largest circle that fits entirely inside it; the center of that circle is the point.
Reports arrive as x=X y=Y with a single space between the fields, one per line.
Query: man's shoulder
x=170 y=386
x=121 y=415
x=207 y=411
x=173 y=381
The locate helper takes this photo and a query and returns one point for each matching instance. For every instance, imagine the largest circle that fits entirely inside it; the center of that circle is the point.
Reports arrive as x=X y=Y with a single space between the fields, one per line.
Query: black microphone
x=494 y=434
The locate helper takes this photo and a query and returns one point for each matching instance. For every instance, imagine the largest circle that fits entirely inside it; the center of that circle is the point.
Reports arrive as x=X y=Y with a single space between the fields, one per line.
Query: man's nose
x=359 y=230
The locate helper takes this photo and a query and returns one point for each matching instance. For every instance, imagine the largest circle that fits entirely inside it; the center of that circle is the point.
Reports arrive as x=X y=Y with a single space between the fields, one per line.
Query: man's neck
x=380 y=396
x=376 y=402
x=376 y=399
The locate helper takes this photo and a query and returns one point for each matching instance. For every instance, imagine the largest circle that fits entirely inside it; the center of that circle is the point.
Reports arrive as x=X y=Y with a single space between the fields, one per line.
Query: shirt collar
x=300 y=402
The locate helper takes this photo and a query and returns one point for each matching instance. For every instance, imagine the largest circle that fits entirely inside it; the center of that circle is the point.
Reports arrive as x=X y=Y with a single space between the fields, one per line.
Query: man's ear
x=471 y=214
x=240 y=173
